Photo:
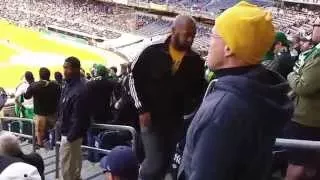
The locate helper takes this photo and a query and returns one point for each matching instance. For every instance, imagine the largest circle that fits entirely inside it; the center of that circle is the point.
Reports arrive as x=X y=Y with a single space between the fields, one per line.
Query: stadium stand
x=98 y=18
x=111 y=21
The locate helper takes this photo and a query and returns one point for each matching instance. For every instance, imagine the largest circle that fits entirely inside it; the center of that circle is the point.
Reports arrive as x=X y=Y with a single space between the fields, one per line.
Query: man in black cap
x=73 y=117
x=120 y=164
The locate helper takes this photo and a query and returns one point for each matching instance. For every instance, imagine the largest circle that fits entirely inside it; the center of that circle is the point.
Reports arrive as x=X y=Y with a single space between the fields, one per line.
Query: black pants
x=159 y=148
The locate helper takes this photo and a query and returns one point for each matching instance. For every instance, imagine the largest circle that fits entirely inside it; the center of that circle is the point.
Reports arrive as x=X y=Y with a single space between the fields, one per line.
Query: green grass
x=17 y=41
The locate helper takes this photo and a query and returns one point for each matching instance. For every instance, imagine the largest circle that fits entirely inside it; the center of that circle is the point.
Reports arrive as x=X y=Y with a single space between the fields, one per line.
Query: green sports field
x=27 y=50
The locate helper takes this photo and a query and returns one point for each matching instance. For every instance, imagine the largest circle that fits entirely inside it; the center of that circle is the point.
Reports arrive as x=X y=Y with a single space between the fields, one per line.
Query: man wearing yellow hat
x=244 y=109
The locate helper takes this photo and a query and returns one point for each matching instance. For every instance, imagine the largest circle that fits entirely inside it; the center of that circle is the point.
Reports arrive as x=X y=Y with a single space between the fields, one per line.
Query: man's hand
x=145 y=119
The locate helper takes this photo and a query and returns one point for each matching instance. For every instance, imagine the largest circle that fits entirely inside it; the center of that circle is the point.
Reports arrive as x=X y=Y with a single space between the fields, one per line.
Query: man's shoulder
x=99 y=83
x=220 y=102
x=81 y=86
x=37 y=84
x=224 y=98
x=78 y=88
x=219 y=109
x=153 y=48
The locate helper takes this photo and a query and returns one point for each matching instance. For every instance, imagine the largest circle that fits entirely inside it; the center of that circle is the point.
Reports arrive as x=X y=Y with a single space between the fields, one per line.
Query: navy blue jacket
x=232 y=134
x=73 y=115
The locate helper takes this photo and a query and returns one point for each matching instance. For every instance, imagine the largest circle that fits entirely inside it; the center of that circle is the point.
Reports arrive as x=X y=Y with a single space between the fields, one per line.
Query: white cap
x=20 y=171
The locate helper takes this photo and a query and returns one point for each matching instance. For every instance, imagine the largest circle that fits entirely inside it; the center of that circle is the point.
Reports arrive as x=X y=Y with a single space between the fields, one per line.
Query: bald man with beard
x=167 y=82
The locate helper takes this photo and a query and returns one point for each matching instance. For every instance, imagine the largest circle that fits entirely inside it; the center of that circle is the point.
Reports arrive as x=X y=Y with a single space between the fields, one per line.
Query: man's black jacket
x=156 y=89
x=73 y=113
x=46 y=95
x=100 y=91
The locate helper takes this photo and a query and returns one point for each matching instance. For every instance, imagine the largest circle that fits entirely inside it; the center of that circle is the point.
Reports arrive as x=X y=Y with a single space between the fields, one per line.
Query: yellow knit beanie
x=247 y=30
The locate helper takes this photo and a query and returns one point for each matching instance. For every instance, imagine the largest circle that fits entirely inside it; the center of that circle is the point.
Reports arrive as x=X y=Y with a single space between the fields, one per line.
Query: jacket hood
x=265 y=89
x=44 y=83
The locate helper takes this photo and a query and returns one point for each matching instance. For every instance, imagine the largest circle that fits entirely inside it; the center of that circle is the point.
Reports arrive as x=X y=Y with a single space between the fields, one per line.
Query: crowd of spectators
x=267 y=87
x=90 y=17
x=294 y=21
x=100 y=19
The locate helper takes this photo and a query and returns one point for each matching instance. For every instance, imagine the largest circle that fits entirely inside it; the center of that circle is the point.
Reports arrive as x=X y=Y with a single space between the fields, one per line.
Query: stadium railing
x=10 y=120
x=105 y=151
x=280 y=142
x=296 y=143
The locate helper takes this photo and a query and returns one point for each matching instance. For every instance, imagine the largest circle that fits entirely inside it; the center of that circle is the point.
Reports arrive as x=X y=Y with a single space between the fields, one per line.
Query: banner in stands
x=159 y=7
x=125 y=2
x=316 y=2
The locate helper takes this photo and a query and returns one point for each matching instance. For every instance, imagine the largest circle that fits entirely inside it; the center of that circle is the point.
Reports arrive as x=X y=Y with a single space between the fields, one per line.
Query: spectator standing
x=45 y=96
x=167 y=81
x=296 y=47
x=83 y=75
x=278 y=59
x=126 y=111
x=120 y=164
x=113 y=71
x=24 y=107
x=100 y=91
x=282 y=55
x=304 y=81
x=3 y=98
x=58 y=78
x=73 y=116
x=243 y=111
x=306 y=44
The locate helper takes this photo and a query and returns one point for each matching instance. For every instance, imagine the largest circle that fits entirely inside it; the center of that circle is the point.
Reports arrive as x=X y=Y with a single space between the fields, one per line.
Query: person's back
x=46 y=95
x=100 y=92
x=285 y=62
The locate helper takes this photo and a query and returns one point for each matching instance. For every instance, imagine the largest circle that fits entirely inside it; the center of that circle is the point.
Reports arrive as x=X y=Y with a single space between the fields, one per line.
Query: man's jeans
x=159 y=148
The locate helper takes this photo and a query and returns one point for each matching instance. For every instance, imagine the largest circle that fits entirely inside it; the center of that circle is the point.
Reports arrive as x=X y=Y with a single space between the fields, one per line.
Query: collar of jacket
x=165 y=48
x=72 y=81
x=234 y=71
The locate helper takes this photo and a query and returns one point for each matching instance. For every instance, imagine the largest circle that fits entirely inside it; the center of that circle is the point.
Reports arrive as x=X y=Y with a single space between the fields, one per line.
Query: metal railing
x=20 y=134
x=296 y=143
x=106 y=151
x=280 y=142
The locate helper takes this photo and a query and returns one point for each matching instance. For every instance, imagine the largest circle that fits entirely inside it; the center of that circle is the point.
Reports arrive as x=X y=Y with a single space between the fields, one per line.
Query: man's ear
x=227 y=51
